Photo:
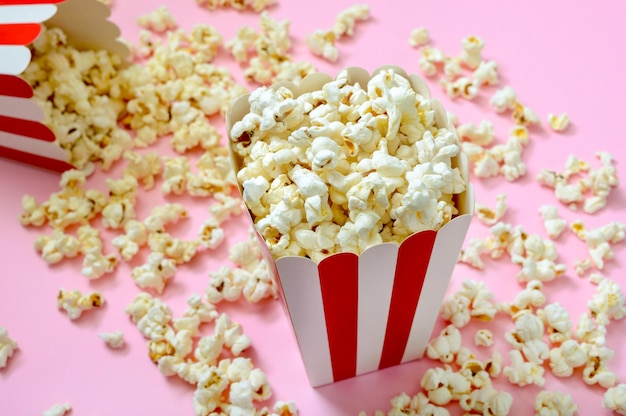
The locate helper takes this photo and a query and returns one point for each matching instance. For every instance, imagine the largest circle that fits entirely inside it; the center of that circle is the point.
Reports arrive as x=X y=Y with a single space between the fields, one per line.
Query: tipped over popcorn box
x=357 y=187
x=23 y=135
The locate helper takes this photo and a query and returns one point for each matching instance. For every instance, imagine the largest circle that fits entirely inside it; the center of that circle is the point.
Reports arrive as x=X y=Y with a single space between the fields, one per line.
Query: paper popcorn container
x=356 y=314
x=23 y=136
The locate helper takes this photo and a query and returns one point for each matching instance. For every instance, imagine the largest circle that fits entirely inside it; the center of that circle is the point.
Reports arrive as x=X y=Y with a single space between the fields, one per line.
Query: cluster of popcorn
x=322 y=41
x=580 y=184
x=536 y=256
x=255 y=5
x=463 y=75
x=75 y=303
x=345 y=167
x=225 y=381
x=7 y=346
x=270 y=61
x=83 y=96
x=599 y=242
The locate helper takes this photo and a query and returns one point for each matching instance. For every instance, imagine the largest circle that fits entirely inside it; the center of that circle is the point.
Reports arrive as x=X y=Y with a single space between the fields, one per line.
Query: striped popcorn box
x=23 y=136
x=353 y=314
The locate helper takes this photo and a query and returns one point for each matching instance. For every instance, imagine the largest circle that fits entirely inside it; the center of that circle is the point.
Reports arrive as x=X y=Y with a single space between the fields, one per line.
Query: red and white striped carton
x=23 y=136
x=356 y=314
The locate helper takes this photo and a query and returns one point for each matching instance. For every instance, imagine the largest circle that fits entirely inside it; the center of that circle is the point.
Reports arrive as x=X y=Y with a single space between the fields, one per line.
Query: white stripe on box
x=31 y=13
x=448 y=243
x=14 y=60
x=377 y=267
x=300 y=281
x=33 y=146
x=18 y=107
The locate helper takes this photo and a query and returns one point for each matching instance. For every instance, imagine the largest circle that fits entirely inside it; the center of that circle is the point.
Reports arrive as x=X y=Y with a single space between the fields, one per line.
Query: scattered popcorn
x=615 y=399
x=596 y=278
x=608 y=302
x=552 y=222
x=144 y=167
x=346 y=19
x=7 y=346
x=487 y=400
x=58 y=410
x=481 y=134
x=113 y=339
x=55 y=248
x=255 y=5
x=33 y=213
x=322 y=43
x=158 y=21
x=503 y=99
x=566 y=357
x=483 y=338
x=596 y=370
x=521 y=372
x=488 y=216
x=442 y=385
x=445 y=345
x=471 y=52
x=75 y=303
x=129 y=244
x=559 y=122
x=548 y=403
x=528 y=338
x=419 y=37
x=155 y=272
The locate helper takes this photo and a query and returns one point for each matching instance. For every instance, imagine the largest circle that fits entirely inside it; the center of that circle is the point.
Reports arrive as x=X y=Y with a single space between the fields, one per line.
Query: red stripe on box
x=339 y=286
x=413 y=258
x=28 y=128
x=14 y=86
x=15 y=2
x=35 y=160
x=19 y=34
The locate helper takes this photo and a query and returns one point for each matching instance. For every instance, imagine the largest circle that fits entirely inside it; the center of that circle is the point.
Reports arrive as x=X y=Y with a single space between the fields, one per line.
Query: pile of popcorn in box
x=337 y=167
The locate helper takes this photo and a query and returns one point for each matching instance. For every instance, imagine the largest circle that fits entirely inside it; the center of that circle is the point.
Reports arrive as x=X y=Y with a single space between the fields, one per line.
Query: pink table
x=558 y=56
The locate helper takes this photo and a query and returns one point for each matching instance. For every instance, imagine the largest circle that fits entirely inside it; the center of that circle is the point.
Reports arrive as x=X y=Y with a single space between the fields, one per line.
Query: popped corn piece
x=163 y=215
x=7 y=346
x=57 y=410
x=322 y=43
x=223 y=285
x=96 y=264
x=32 y=213
x=596 y=370
x=503 y=99
x=531 y=296
x=596 y=278
x=55 y=248
x=608 y=302
x=552 y=222
x=285 y=408
x=558 y=122
x=209 y=390
x=566 y=357
x=521 y=372
x=549 y=403
x=346 y=19
x=430 y=60
x=589 y=331
x=75 y=303
x=557 y=321
x=243 y=41
x=159 y=20
x=471 y=253
x=481 y=134
x=200 y=309
x=581 y=266
x=155 y=272
x=463 y=87
x=487 y=401
x=211 y=234
x=442 y=385
x=144 y=167
x=419 y=37
x=113 y=339
x=174 y=249
x=528 y=338
x=488 y=216
x=472 y=47
x=175 y=173
x=128 y=244
x=486 y=73
x=483 y=338
x=444 y=346
x=523 y=115
x=615 y=399
x=232 y=334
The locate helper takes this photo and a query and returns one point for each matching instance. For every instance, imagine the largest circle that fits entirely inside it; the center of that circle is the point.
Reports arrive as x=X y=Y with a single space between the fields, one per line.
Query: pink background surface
x=559 y=56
